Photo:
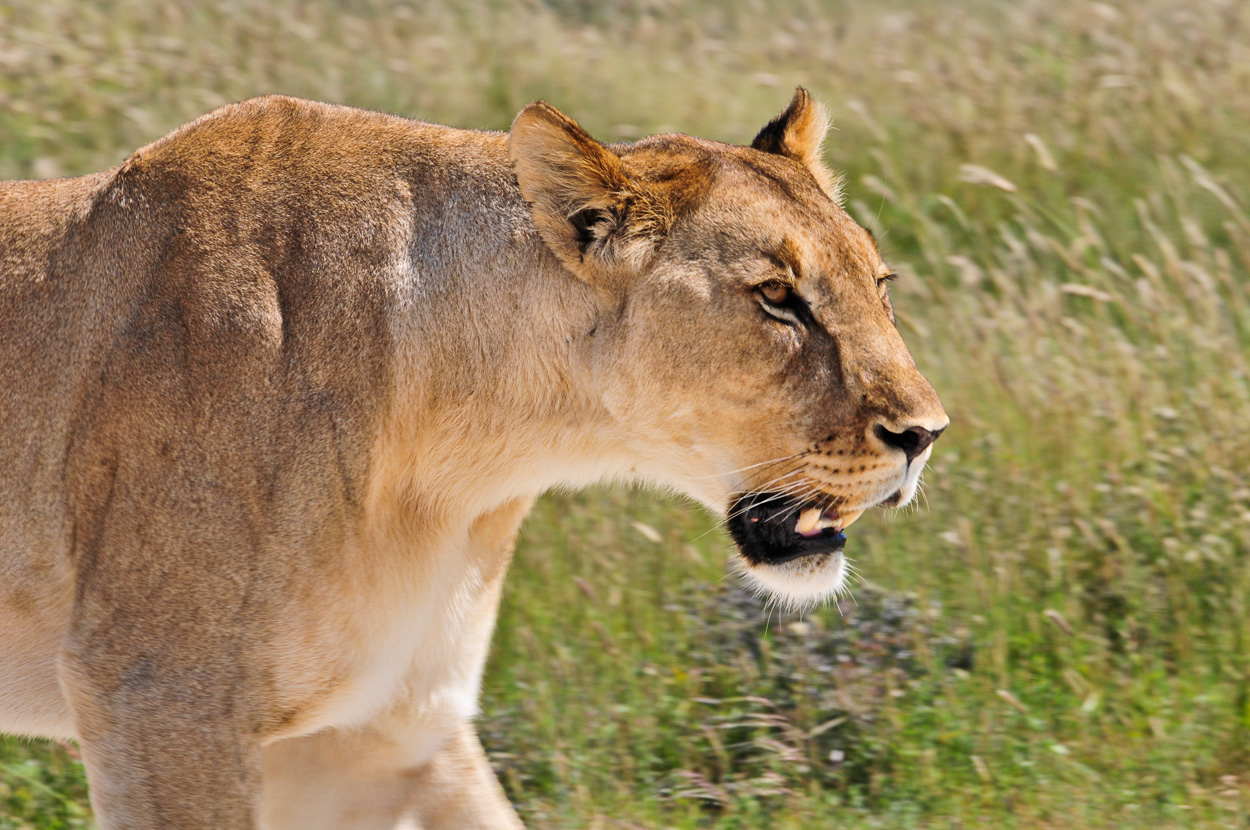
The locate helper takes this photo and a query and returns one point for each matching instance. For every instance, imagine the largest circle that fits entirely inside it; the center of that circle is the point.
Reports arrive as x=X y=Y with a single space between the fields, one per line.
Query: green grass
x=1059 y=637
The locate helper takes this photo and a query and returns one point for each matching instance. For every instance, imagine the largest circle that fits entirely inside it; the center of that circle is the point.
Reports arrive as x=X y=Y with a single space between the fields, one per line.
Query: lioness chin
x=277 y=392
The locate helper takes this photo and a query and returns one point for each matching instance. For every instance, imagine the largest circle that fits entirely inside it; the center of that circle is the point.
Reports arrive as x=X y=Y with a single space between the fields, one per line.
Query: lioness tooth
x=809 y=520
x=828 y=521
x=850 y=517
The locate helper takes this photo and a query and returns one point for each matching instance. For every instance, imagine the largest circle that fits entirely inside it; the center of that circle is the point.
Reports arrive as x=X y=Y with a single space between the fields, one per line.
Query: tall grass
x=1060 y=635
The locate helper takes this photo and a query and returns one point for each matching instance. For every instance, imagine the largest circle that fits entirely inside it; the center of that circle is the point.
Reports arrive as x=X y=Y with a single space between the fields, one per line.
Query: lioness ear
x=797 y=133
x=587 y=210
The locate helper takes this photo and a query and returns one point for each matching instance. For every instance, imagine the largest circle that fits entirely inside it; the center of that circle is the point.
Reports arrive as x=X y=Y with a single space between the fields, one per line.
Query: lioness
x=277 y=392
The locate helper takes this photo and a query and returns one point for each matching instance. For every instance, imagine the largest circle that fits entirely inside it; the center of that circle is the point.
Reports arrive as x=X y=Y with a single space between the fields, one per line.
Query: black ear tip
x=772 y=137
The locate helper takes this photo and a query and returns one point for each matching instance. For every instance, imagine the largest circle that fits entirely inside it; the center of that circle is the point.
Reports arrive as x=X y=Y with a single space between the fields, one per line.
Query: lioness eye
x=776 y=293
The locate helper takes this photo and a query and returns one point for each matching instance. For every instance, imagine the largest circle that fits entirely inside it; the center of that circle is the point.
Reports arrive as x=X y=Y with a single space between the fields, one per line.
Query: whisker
x=754 y=466
x=787 y=492
x=777 y=479
x=734 y=514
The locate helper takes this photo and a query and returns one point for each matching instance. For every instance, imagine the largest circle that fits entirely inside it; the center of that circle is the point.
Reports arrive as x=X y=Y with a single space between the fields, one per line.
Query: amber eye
x=776 y=293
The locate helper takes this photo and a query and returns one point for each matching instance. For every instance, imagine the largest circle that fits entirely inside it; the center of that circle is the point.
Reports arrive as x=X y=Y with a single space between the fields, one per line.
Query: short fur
x=278 y=391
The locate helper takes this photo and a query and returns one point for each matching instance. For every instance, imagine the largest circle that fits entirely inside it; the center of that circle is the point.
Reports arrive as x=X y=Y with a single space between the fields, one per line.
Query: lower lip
x=829 y=544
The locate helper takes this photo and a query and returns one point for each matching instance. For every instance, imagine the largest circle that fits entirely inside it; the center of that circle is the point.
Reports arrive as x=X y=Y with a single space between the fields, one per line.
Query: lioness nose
x=912 y=441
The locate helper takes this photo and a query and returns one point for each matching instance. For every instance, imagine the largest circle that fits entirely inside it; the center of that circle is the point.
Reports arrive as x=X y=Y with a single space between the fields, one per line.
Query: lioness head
x=746 y=345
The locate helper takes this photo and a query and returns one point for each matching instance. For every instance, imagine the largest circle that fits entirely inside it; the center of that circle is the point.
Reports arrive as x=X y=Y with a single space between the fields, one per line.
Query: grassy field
x=1059 y=636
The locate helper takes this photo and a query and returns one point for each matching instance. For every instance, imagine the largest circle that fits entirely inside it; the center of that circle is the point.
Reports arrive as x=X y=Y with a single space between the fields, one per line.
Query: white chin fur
x=798 y=585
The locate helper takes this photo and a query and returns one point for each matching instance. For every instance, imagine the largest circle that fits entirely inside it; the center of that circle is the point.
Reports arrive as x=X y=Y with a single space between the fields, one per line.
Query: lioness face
x=748 y=346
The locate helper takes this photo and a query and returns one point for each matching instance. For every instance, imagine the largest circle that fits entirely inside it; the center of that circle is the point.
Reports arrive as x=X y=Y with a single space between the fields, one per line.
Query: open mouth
x=771 y=529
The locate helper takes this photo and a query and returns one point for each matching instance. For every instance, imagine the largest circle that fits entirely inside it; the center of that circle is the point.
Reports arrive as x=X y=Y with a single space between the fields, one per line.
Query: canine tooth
x=809 y=520
x=850 y=517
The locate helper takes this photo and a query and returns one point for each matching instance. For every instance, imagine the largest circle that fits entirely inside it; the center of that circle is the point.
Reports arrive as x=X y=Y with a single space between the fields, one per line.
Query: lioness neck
x=493 y=397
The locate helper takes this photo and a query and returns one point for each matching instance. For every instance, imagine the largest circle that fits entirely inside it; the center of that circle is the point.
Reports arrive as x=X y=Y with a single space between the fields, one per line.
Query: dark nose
x=912 y=441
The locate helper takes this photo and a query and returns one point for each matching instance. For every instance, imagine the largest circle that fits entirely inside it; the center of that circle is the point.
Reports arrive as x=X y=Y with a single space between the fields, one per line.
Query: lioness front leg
x=164 y=742
x=363 y=779
x=418 y=764
x=458 y=790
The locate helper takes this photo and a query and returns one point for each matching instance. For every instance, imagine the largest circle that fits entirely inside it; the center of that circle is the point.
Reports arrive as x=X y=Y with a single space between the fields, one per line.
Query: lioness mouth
x=771 y=529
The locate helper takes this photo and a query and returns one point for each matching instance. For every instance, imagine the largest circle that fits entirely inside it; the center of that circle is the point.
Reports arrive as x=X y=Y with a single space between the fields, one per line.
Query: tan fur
x=276 y=394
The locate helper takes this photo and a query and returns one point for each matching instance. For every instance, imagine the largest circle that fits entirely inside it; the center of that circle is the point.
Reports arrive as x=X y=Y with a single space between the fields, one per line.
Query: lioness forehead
x=749 y=198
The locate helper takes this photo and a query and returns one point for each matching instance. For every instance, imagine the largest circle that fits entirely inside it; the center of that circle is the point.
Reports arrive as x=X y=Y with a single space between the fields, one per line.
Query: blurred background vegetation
x=1059 y=636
